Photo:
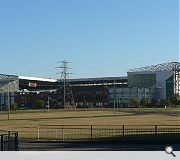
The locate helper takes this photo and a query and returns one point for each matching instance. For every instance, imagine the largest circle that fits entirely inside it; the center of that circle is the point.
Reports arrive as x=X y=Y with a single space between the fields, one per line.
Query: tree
x=14 y=106
x=175 y=99
x=145 y=102
x=41 y=103
x=165 y=103
x=154 y=103
x=134 y=102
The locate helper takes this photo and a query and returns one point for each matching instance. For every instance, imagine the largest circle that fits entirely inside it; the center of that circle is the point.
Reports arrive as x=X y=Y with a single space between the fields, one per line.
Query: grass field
x=26 y=122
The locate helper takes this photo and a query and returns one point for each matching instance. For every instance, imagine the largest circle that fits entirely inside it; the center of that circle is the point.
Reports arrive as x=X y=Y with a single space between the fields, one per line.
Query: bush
x=14 y=106
x=41 y=103
x=134 y=102
x=145 y=102
x=5 y=108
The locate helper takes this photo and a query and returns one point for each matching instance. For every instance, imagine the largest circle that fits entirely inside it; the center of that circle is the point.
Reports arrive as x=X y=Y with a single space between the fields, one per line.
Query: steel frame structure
x=177 y=81
x=5 y=77
x=9 y=83
x=65 y=93
x=159 y=67
x=170 y=66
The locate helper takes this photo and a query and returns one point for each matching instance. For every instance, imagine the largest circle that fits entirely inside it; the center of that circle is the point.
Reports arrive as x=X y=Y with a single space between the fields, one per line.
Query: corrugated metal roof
x=96 y=79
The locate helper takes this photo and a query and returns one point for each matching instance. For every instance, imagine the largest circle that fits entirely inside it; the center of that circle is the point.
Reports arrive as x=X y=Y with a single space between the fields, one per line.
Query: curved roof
x=159 y=67
x=5 y=77
x=37 y=79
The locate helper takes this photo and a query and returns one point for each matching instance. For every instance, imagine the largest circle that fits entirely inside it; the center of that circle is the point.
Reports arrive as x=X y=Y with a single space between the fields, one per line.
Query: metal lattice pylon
x=65 y=94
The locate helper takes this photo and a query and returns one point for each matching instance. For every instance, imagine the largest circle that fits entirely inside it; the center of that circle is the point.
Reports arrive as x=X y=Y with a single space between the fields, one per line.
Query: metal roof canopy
x=170 y=66
x=37 y=79
x=9 y=83
x=95 y=79
x=4 y=78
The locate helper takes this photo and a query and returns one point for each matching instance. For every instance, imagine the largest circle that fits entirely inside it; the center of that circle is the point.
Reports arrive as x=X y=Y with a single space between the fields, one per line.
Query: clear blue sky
x=99 y=37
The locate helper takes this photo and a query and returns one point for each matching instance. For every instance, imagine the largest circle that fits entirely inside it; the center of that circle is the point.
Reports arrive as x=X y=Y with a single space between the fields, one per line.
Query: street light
x=48 y=103
x=9 y=101
x=114 y=97
x=1 y=98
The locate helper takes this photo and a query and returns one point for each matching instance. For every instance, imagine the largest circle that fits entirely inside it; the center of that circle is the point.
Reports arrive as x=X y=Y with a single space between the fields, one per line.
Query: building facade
x=159 y=82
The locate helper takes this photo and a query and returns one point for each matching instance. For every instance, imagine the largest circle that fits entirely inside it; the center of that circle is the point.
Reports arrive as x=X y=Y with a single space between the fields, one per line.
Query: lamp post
x=114 y=97
x=9 y=101
x=48 y=103
x=139 y=105
x=1 y=98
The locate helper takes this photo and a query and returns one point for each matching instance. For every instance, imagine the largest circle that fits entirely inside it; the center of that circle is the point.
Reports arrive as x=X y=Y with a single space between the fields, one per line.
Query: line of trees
x=146 y=102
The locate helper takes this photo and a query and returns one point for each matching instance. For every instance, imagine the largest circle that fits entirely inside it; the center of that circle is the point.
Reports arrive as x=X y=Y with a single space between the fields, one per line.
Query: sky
x=100 y=38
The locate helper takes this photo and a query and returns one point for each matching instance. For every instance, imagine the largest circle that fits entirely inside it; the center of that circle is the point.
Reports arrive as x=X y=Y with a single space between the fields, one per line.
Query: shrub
x=41 y=103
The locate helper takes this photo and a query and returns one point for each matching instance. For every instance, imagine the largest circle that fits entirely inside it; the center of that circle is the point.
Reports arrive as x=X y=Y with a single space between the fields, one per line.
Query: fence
x=97 y=132
x=9 y=141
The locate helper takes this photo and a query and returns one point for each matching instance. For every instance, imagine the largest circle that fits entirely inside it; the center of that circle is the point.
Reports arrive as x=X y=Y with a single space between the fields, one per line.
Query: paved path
x=54 y=146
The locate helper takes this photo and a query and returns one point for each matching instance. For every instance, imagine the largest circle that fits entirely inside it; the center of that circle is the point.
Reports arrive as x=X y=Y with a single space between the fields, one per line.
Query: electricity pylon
x=65 y=94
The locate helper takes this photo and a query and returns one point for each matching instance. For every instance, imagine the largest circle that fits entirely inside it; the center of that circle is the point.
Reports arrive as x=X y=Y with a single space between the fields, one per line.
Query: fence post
x=62 y=133
x=123 y=130
x=56 y=134
x=38 y=133
x=91 y=132
x=2 y=142
x=9 y=132
x=155 y=130
x=16 y=141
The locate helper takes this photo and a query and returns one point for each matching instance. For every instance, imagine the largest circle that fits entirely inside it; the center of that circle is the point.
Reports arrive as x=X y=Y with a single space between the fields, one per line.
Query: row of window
x=90 y=104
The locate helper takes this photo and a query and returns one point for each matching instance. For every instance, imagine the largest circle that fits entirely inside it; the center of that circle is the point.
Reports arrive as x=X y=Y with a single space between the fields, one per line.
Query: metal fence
x=100 y=132
x=9 y=141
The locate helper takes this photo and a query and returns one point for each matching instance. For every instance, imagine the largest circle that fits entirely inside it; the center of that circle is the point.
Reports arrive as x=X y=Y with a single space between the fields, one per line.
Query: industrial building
x=160 y=82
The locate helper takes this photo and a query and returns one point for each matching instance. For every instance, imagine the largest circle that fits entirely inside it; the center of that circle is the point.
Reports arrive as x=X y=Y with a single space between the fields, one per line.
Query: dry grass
x=26 y=122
